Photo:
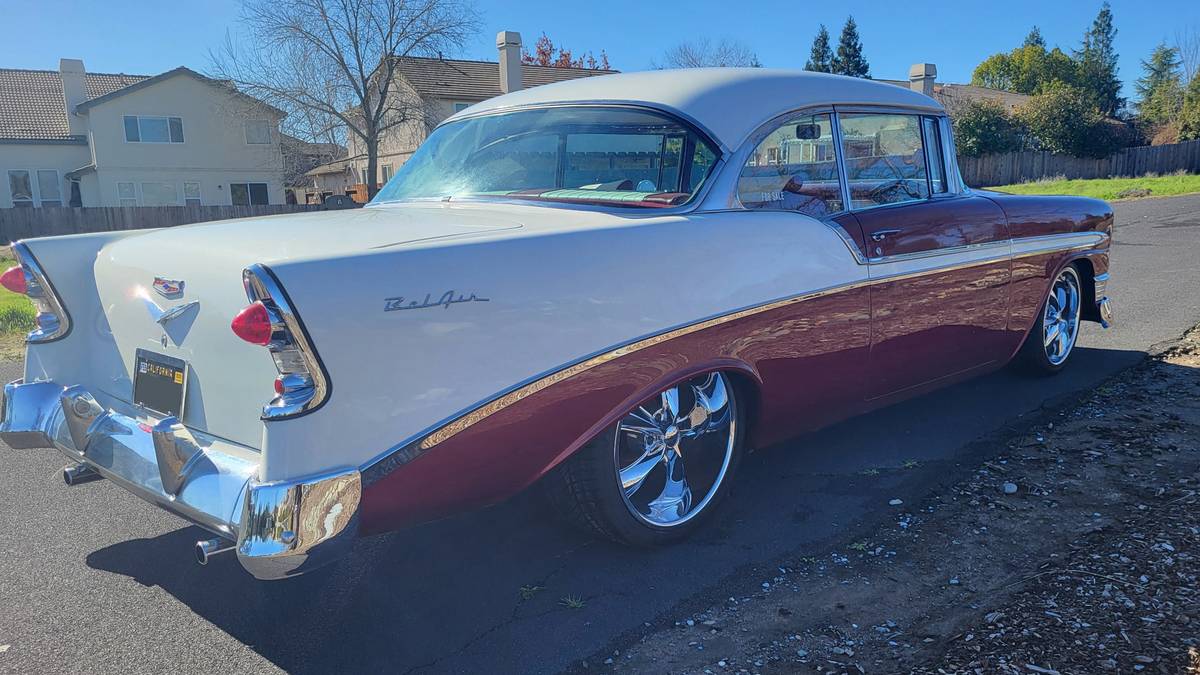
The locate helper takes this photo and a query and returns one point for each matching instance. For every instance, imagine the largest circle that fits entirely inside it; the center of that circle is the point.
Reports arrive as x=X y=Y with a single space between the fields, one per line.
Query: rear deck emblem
x=168 y=288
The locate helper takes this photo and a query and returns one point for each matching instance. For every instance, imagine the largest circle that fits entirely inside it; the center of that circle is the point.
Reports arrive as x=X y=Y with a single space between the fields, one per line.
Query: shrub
x=983 y=128
x=1189 y=114
x=1066 y=120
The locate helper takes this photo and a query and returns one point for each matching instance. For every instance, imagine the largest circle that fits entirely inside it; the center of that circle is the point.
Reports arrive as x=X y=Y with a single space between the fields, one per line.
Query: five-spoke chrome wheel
x=673 y=453
x=1060 y=317
x=652 y=476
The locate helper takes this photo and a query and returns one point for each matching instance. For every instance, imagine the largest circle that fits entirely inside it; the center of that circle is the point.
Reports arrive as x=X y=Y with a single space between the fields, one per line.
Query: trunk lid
x=229 y=380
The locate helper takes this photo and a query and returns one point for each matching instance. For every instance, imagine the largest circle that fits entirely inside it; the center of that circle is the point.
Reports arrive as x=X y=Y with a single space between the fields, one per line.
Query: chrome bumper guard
x=282 y=529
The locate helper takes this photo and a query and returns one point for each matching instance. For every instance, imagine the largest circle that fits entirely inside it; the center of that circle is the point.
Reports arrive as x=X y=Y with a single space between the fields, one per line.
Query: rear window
x=590 y=154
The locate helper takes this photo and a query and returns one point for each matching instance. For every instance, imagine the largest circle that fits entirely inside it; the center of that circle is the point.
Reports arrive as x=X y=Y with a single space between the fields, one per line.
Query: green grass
x=1110 y=189
x=16 y=315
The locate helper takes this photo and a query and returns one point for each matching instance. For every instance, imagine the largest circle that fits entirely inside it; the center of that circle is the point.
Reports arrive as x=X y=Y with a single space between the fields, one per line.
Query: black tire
x=1035 y=356
x=586 y=489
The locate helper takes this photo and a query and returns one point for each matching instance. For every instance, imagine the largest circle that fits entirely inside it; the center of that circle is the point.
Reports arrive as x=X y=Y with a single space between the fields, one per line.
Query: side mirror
x=808 y=132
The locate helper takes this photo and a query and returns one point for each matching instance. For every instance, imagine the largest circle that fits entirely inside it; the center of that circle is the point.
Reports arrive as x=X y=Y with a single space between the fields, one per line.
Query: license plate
x=159 y=382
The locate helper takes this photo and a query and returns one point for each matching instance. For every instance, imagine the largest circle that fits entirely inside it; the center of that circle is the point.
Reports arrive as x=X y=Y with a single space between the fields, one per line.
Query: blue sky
x=145 y=38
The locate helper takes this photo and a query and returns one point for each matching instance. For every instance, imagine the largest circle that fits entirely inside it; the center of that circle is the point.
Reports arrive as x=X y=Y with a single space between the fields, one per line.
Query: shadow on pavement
x=447 y=597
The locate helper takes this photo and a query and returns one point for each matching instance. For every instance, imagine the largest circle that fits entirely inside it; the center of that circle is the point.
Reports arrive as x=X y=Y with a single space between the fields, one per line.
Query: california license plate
x=159 y=382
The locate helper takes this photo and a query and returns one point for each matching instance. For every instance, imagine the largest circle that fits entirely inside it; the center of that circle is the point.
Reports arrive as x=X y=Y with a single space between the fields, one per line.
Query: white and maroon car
x=613 y=286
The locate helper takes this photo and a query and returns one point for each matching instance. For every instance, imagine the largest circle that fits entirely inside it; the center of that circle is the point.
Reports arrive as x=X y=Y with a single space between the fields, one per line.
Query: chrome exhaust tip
x=79 y=473
x=1104 y=306
x=211 y=547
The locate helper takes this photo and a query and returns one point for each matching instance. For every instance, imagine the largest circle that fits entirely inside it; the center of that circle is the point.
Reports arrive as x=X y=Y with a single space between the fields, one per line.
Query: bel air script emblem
x=448 y=298
x=168 y=288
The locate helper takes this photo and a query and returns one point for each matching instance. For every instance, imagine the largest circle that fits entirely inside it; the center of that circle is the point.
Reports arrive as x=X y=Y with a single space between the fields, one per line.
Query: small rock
x=1143 y=659
x=896 y=502
x=802 y=653
x=608 y=662
x=721 y=663
x=690 y=623
x=954 y=581
x=1010 y=488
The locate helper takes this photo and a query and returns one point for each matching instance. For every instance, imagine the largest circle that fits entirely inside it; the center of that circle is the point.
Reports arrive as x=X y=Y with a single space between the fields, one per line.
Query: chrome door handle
x=880 y=235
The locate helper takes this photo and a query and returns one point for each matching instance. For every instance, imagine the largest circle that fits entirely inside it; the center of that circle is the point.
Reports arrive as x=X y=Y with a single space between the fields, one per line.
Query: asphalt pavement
x=94 y=580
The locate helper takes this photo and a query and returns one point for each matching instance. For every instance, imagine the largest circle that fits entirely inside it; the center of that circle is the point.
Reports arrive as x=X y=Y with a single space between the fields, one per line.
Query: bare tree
x=1187 y=43
x=705 y=53
x=332 y=64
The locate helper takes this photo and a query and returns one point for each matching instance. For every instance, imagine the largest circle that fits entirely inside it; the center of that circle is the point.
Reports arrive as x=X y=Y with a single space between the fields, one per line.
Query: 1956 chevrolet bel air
x=612 y=287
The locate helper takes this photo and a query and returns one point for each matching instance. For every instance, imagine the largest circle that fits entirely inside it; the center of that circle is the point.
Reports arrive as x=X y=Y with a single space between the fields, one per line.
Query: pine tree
x=849 y=58
x=1160 y=89
x=1035 y=39
x=1098 y=63
x=821 y=58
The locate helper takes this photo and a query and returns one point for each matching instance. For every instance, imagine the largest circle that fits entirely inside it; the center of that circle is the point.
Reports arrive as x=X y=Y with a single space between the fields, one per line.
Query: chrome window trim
x=692 y=205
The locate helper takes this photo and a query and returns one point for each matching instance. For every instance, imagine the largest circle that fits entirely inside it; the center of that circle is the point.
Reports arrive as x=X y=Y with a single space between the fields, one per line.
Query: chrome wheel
x=1060 y=323
x=672 y=453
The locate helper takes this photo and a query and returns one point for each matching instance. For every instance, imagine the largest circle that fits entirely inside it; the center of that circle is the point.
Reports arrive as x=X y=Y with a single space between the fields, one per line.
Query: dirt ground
x=1071 y=550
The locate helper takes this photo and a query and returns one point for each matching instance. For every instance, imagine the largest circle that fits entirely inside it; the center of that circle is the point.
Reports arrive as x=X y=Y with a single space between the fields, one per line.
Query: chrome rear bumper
x=281 y=528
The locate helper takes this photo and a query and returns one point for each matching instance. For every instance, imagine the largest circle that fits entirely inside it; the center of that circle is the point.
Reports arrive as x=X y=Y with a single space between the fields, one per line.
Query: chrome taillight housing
x=53 y=322
x=302 y=385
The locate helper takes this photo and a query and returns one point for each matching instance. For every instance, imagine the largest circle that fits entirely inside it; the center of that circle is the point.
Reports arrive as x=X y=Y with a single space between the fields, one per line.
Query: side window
x=794 y=169
x=937 y=160
x=885 y=160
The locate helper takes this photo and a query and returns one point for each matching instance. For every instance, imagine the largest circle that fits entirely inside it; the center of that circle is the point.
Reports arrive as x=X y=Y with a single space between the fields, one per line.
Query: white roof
x=729 y=103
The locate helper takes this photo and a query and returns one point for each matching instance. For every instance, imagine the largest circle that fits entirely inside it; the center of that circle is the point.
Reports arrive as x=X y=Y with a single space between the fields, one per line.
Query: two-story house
x=73 y=138
x=430 y=90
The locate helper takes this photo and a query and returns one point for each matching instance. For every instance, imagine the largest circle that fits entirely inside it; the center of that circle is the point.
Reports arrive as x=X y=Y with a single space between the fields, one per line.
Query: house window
x=191 y=193
x=459 y=107
x=159 y=194
x=146 y=129
x=126 y=194
x=247 y=194
x=258 y=132
x=386 y=170
x=49 y=188
x=21 y=188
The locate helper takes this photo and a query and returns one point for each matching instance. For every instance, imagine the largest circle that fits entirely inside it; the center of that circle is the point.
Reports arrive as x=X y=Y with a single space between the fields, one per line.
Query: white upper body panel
x=729 y=103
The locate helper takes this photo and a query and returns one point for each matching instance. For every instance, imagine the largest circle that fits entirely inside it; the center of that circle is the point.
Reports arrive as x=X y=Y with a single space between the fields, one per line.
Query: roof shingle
x=32 y=106
x=477 y=80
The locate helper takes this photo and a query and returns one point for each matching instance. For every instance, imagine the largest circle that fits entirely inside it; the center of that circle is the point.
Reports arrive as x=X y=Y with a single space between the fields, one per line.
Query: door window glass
x=794 y=169
x=885 y=160
x=937 y=161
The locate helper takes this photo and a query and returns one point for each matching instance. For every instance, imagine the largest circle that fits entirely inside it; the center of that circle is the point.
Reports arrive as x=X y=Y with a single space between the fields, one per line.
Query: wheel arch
x=747 y=387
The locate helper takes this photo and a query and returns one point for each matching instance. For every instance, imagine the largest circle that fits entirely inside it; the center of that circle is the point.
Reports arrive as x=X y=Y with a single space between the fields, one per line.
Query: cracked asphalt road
x=93 y=580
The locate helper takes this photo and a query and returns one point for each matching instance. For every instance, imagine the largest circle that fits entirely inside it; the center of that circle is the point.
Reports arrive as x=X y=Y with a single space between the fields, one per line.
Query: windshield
x=593 y=155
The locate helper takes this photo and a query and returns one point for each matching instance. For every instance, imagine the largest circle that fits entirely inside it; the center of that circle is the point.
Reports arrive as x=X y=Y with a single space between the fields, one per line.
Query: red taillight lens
x=253 y=324
x=279 y=388
x=14 y=280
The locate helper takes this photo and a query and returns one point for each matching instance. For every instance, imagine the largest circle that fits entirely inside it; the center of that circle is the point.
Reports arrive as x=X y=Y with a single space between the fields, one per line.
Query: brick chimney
x=74 y=92
x=509 y=44
x=921 y=77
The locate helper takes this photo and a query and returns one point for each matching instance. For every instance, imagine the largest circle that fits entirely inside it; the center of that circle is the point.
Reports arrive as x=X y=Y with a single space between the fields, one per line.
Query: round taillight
x=14 y=280
x=279 y=385
x=253 y=324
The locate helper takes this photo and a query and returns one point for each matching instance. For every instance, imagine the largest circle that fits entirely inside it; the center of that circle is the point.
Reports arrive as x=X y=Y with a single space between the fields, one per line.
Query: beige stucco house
x=73 y=138
x=433 y=89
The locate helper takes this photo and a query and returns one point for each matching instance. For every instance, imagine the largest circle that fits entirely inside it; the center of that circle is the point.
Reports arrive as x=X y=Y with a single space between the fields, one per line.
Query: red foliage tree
x=546 y=53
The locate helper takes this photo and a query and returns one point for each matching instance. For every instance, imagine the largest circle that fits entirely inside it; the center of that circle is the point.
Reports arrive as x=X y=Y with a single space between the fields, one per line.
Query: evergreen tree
x=849 y=58
x=1035 y=39
x=821 y=58
x=1160 y=89
x=1098 y=63
x=1189 y=114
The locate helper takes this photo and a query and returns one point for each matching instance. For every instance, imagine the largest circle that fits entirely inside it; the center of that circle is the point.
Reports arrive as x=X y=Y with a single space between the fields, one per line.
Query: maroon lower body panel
x=803 y=366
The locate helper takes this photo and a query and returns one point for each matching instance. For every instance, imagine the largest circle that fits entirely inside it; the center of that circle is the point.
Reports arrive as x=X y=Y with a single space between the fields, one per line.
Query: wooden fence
x=43 y=222
x=1020 y=167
